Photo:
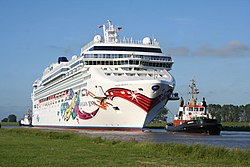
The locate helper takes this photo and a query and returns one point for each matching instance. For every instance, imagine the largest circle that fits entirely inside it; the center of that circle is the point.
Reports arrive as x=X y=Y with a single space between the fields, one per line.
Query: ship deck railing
x=123 y=41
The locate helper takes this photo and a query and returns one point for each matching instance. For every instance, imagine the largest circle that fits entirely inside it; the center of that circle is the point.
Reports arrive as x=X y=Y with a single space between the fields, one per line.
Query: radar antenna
x=194 y=90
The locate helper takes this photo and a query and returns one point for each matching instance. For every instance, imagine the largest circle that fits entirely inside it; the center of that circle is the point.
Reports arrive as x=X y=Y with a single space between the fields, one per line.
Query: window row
x=56 y=73
x=130 y=62
x=125 y=48
x=114 y=56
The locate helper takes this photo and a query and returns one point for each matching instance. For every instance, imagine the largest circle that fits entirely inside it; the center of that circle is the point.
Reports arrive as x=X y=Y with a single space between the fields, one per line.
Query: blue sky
x=208 y=40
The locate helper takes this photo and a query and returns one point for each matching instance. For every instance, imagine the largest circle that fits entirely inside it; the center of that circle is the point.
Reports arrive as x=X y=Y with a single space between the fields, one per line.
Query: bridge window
x=123 y=48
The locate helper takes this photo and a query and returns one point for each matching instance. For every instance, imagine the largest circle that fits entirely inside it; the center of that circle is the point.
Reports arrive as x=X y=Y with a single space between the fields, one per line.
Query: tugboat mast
x=194 y=91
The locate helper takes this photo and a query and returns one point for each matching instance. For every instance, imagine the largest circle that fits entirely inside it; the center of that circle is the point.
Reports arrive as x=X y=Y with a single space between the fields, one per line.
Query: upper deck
x=111 y=52
x=110 y=42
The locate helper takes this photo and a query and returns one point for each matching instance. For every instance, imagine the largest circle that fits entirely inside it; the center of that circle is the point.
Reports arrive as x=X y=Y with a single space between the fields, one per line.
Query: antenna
x=110 y=33
x=194 y=91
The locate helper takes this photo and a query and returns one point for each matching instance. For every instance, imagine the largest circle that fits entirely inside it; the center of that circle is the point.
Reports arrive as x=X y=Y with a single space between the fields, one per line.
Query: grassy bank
x=156 y=125
x=238 y=124
x=9 y=123
x=32 y=147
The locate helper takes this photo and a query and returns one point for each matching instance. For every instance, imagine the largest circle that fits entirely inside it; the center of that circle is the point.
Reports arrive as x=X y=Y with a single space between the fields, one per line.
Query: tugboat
x=193 y=117
x=26 y=121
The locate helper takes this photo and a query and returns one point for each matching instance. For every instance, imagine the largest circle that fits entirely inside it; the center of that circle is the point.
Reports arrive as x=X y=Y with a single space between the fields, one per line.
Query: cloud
x=179 y=51
x=233 y=48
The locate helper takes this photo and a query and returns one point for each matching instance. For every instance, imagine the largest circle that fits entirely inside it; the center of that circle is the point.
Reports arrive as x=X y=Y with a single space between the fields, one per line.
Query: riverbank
x=226 y=126
x=9 y=123
x=33 y=147
x=236 y=126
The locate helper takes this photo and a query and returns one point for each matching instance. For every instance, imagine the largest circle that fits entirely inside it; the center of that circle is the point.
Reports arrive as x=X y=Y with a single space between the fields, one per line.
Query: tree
x=247 y=113
x=214 y=110
x=162 y=115
x=242 y=116
x=12 y=118
x=230 y=113
x=5 y=120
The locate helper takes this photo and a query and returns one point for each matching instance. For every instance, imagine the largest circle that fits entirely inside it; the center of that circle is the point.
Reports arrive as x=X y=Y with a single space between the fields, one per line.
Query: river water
x=227 y=139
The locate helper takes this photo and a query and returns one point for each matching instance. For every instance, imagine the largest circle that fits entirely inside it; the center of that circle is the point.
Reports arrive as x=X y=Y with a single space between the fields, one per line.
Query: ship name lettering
x=91 y=103
x=87 y=103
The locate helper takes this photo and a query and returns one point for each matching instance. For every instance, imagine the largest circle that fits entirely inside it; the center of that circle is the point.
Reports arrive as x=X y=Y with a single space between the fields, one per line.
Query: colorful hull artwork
x=88 y=105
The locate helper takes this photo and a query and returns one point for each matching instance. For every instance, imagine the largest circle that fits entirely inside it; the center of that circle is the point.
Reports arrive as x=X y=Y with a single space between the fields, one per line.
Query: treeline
x=11 y=118
x=230 y=113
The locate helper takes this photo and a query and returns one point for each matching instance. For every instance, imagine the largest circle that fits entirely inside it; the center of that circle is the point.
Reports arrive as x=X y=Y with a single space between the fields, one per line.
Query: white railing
x=121 y=41
x=87 y=45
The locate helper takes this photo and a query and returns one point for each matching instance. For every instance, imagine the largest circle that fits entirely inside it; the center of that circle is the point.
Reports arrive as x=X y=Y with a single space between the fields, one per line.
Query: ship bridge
x=110 y=50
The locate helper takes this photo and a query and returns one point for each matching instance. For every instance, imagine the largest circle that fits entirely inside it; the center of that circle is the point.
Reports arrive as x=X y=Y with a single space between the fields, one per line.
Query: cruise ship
x=113 y=84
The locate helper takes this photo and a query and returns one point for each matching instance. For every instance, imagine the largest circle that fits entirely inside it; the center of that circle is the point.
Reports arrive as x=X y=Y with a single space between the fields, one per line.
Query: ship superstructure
x=113 y=84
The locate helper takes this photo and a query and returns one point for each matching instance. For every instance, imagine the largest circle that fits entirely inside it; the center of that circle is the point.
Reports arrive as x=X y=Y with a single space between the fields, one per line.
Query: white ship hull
x=113 y=105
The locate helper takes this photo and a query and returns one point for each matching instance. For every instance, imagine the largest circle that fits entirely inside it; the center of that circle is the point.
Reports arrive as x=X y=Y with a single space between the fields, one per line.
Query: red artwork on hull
x=84 y=115
x=138 y=99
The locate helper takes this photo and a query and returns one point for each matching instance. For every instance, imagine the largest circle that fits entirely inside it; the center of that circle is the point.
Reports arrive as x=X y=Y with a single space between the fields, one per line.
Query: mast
x=104 y=32
x=110 y=33
x=194 y=90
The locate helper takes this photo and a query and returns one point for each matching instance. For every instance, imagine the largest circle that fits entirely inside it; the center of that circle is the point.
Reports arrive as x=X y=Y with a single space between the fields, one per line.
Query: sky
x=209 y=40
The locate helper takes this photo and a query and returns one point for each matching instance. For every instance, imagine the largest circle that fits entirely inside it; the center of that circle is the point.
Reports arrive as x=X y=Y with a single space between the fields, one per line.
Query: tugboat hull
x=210 y=126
